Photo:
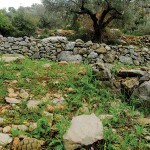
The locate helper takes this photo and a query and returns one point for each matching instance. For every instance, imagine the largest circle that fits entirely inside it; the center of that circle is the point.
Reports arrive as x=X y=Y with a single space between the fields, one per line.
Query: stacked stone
x=60 y=49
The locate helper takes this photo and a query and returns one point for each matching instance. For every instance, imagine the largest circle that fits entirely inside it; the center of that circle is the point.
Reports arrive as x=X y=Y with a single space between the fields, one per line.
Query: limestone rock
x=130 y=83
x=23 y=94
x=12 y=100
x=2 y=120
x=109 y=58
x=55 y=39
x=131 y=73
x=12 y=57
x=84 y=130
x=102 y=71
x=92 y=55
x=46 y=66
x=142 y=92
x=126 y=60
x=69 y=57
x=5 y=139
x=7 y=129
x=101 y=50
x=33 y=103
x=70 y=45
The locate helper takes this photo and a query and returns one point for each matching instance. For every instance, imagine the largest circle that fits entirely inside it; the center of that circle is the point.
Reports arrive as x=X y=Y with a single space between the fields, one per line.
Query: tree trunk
x=98 y=31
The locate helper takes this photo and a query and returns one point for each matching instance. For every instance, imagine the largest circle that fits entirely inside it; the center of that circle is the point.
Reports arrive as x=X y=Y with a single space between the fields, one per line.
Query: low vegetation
x=83 y=94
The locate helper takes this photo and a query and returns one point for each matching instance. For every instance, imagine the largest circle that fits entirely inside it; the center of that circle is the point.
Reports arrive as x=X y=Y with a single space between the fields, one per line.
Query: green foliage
x=5 y=25
x=42 y=130
x=87 y=92
x=24 y=25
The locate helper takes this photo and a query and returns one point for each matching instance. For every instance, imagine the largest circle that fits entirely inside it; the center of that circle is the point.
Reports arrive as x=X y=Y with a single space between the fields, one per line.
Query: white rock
x=84 y=130
x=33 y=103
x=12 y=100
x=2 y=120
x=12 y=57
x=5 y=139
x=23 y=94
x=7 y=129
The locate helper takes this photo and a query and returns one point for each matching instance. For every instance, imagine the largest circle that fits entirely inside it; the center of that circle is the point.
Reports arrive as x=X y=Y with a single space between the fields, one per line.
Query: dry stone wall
x=60 y=49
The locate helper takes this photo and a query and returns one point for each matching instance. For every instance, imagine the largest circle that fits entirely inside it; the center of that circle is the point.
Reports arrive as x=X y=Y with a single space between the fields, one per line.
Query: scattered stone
x=5 y=139
x=106 y=116
x=12 y=57
x=33 y=103
x=142 y=92
x=145 y=121
x=58 y=101
x=20 y=127
x=102 y=71
x=12 y=100
x=7 y=129
x=130 y=83
x=12 y=93
x=62 y=63
x=46 y=66
x=2 y=120
x=23 y=94
x=84 y=130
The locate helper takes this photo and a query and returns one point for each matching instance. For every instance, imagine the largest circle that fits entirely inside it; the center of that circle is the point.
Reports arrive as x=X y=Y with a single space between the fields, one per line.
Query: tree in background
x=127 y=11
x=5 y=24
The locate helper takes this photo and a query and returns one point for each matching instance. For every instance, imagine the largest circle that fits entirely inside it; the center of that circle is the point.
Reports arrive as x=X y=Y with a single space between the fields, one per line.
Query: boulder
x=142 y=92
x=12 y=57
x=69 y=57
x=102 y=71
x=5 y=139
x=84 y=130
x=131 y=73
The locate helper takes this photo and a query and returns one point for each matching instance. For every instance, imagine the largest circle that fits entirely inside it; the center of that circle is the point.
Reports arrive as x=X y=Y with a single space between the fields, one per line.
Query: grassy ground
x=83 y=95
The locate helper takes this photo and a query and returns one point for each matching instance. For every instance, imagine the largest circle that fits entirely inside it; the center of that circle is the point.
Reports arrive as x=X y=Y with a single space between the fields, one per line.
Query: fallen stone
x=84 y=130
x=131 y=73
x=7 y=129
x=12 y=100
x=142 y=92
x=102 y=71
x=12 y=57
x=130 y=83
x=145 y=121
x=2 y=120
x=23 y=94
x=33 y=103
x=5 y=139
x=46 y=66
